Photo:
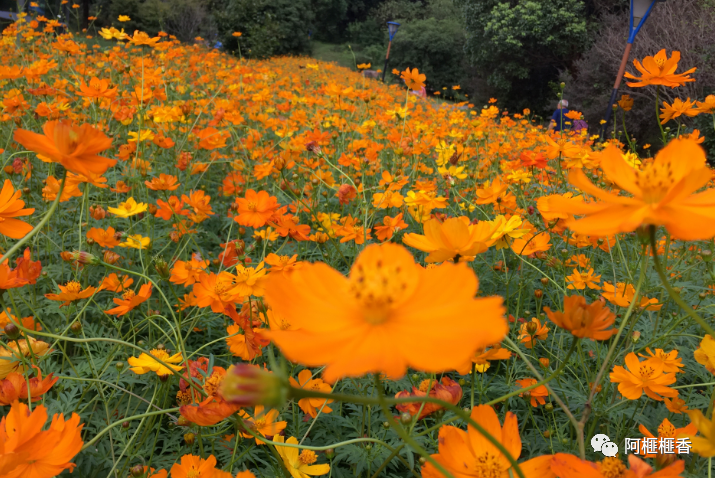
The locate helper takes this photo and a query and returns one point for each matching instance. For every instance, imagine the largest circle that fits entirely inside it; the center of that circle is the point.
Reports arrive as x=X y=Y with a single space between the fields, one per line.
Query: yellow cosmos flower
x=128 y=208
x=14 y=355
x=146 y=363
x=300 y=465
x=507 y=228
x=124 y=18
x=136 y=241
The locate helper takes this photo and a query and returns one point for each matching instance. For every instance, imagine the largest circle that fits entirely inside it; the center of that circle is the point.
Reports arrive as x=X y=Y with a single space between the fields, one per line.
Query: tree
x=521 y=45
x=269 y=27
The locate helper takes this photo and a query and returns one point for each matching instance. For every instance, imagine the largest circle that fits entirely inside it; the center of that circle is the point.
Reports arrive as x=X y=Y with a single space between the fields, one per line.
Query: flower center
x=259 y=422
x=307 y=457
x=252 y=206
x=488 y=466
x=660 y=62
x=655 y=180
x=645 y=372
x=612 y=468
x=666 y=429
x=193 y=473
x=74 y=287
x=128 y=294
x=378 y=287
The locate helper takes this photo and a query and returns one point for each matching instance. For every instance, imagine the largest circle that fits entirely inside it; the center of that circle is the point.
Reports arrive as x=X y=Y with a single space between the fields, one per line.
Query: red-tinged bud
x=152 y=209
x=248 y=385
x=189 y=438
x=97 y=212
x=111 y=257
x=12 y=331
x=162 y=268
x=544 y=362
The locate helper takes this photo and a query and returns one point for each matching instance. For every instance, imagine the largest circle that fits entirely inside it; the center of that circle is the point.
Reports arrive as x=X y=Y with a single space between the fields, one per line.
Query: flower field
x=214 y=267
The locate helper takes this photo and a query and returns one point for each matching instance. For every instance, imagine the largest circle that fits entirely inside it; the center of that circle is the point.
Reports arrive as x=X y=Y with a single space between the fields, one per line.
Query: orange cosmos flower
x=469 y=454
x=27 y=269
x=452 y=240
x=677 y=405
x=536 y=395
x=141 y=38
x=187 y=273
x=26 y=450
x=671 y=362
x=662 y=195
x=14 y=355
x=71 y=292
x=584 y=320
x=312 y=405
x=666 y=430
x=448 y=391
x=413 y=79
x=622 y=295
x=216 y=291
x=569 y=466
x=482 y=357
x=256 y=208
x=532 y=331
x=579 y=280
x=678 y=108
x=246 y=346
x=390 y=225
x=74 y=147
x=96 y=89
x=146 y=363
x=263 y=423
x=130 y=300
x=211 y=138
x=104 y=237
x=27 y=322
x=192 y=466
x=114 y=283
x=11 y=206
x=646 y=376
x=660 y=70
x=167 y=210
x=209 y=412
x=376 y=315
x=165 y=182
x=284 y=264
x=200 y=203
x=14 y=387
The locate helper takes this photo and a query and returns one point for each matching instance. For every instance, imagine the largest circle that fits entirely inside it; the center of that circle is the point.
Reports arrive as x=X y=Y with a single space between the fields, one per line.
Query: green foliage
x=330 y=16
x=521 y=45
x=269 y=27
x=433 y=46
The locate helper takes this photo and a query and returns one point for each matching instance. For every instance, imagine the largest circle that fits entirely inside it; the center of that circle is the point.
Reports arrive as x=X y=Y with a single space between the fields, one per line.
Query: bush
x=522 y=45
x=435 y=47
x=269 y=27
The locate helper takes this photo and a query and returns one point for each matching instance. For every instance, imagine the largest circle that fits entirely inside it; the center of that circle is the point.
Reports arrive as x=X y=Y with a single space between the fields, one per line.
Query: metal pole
x=387 y=57
x=616 y=85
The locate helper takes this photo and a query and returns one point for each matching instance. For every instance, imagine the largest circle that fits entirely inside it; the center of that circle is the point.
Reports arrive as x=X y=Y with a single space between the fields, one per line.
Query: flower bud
x=538 y=293
x=97 y=212
x=385 y=425
x=405 y=418
x=11 y=331
x=247 y=386
x=544 y=362
x=183 y=421
x=547 y=433
x=162 y=268
x=549 y=407
x=152 y=209
x=635 y=336
x=137 y=471
x=76 y=327
x=119 y=366
x=111 y=257
x=330 y=453
x=125 y=425
x=189 y=438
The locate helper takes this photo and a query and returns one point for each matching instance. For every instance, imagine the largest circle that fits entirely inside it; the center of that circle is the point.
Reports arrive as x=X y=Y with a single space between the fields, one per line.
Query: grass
x=337 y=53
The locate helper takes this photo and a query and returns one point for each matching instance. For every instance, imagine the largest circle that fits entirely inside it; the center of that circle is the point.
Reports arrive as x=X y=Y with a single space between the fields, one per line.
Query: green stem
x=39 y=225
x=674 y=295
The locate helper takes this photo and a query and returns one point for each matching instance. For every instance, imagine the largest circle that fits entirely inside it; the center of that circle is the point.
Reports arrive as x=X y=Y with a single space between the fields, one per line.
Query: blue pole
x=624 y=61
